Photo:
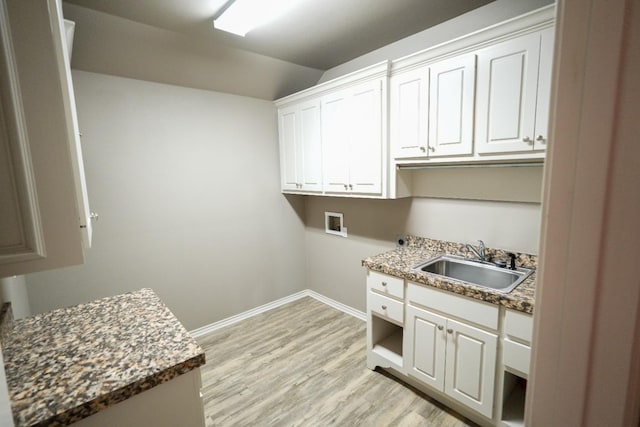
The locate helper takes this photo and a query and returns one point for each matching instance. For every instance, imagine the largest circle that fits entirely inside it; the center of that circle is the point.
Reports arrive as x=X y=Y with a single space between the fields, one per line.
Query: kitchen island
x=79 y=363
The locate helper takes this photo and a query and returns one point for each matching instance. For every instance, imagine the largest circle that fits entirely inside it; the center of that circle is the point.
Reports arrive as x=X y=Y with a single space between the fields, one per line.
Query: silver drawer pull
x=440 y=327
x=384 y=307
x=384 y=283
x=449 y=331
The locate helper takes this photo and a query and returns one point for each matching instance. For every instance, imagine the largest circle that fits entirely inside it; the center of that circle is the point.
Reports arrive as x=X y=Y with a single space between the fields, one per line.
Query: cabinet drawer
x=516 y=356
x=386 y=307
x=479 y=312
x=387 y=285
x=518 y=325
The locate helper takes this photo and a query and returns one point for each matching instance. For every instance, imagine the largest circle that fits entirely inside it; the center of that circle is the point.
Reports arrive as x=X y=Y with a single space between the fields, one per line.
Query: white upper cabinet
x=42 y=186
x=481 y=98
x=451 y=89
x=333 y=137
x=409 y=93
x=352 y=140
x=513 y=91
x=432 y=109
x=300 y=147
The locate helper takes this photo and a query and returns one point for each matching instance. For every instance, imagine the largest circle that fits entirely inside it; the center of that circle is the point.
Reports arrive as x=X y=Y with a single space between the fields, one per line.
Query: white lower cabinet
x=177 y=402
x=452 y=357
x=471 y=355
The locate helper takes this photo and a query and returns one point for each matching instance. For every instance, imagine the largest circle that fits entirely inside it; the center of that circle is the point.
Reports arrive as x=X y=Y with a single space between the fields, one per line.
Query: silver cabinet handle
x=440 y=327
x=384 y=283
x=423 y=149
x=541 y=139
x=384 y=307
x=527 y=140
x=94 y=216
x=345 y=186
x=350 y=186
x=432 y=149
x=449 y=331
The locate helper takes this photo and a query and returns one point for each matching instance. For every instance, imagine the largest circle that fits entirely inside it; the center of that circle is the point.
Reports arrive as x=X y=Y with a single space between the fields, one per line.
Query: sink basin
x=476 y=273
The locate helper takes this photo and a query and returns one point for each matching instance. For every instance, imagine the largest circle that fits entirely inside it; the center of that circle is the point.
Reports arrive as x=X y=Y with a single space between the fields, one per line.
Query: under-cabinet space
x=513 y=401
x=386 y=340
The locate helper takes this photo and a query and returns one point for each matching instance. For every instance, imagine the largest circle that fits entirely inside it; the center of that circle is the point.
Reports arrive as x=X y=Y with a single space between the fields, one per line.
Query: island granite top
x=70 y=363
x=401 y=262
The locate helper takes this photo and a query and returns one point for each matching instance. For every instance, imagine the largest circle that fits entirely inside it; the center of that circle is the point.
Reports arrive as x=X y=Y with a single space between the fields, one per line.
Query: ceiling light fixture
x=243 y=16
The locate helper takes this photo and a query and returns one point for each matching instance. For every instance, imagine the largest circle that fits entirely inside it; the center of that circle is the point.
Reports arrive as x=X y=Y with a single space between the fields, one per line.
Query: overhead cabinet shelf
x=479 y=99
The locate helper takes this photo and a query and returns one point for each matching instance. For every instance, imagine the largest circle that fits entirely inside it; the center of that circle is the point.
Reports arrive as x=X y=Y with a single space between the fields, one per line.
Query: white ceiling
x=318 y=33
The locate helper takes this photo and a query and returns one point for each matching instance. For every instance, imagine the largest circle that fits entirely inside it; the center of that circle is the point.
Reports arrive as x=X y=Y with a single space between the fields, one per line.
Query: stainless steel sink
x=476 y=273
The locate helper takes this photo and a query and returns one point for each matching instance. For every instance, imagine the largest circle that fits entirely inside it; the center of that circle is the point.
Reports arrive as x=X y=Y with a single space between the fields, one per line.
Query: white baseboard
x=275 y=304
x=338 y=305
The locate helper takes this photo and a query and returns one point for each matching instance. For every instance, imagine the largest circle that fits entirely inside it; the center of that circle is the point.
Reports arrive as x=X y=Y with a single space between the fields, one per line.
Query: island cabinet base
x=174 y=403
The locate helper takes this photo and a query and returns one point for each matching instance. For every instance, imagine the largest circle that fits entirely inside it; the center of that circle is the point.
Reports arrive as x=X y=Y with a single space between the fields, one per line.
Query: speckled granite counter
x=70 y=363
x=400 y=263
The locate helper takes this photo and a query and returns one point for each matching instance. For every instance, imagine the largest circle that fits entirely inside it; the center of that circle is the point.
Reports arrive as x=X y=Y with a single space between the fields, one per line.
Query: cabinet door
x=365 y=139
x=544 y=90
x=59 y=36
x=288 y=148
x=335 y=137
x=506 y=95
x=310 y=147
x=451 y=92
x=425 y=346
x=410 y=113
x=50 y=227
x=471 y=366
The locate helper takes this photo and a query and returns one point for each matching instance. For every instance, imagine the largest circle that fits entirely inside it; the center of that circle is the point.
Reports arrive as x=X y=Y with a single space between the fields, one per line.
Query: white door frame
x=585 y=365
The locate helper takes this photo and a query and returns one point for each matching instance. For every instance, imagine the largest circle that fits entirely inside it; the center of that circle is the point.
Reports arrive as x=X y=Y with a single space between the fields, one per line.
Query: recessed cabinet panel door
x=471 y=366
x=288 y=148
x=451 y=106
x=335 y=137
x=544 y=90
x=506 y=95
x=424 y=346
x=310 y=173
x=409 y=113
x=365 y=139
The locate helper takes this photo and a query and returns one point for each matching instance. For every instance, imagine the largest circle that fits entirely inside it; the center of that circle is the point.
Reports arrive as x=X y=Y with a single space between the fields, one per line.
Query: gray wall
x=334 y=267
x=185 y=182
x=482 y=17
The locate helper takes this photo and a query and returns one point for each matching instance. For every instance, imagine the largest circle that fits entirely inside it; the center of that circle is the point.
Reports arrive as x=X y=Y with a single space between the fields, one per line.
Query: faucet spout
x=479 y=252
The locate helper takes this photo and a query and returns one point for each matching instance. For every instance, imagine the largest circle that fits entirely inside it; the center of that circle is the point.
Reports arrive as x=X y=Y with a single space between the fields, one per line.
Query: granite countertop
x=70 y=363
x=401 y=261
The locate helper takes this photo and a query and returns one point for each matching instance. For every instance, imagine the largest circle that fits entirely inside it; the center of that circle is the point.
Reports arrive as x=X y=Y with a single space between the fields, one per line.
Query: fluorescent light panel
x=245 y=15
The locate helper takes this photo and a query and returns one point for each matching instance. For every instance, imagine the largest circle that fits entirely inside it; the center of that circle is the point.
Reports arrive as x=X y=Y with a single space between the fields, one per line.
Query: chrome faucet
x=479 y=253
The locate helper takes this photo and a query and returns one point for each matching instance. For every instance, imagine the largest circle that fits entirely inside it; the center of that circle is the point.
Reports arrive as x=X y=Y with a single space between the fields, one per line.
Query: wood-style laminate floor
x=303 y=364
